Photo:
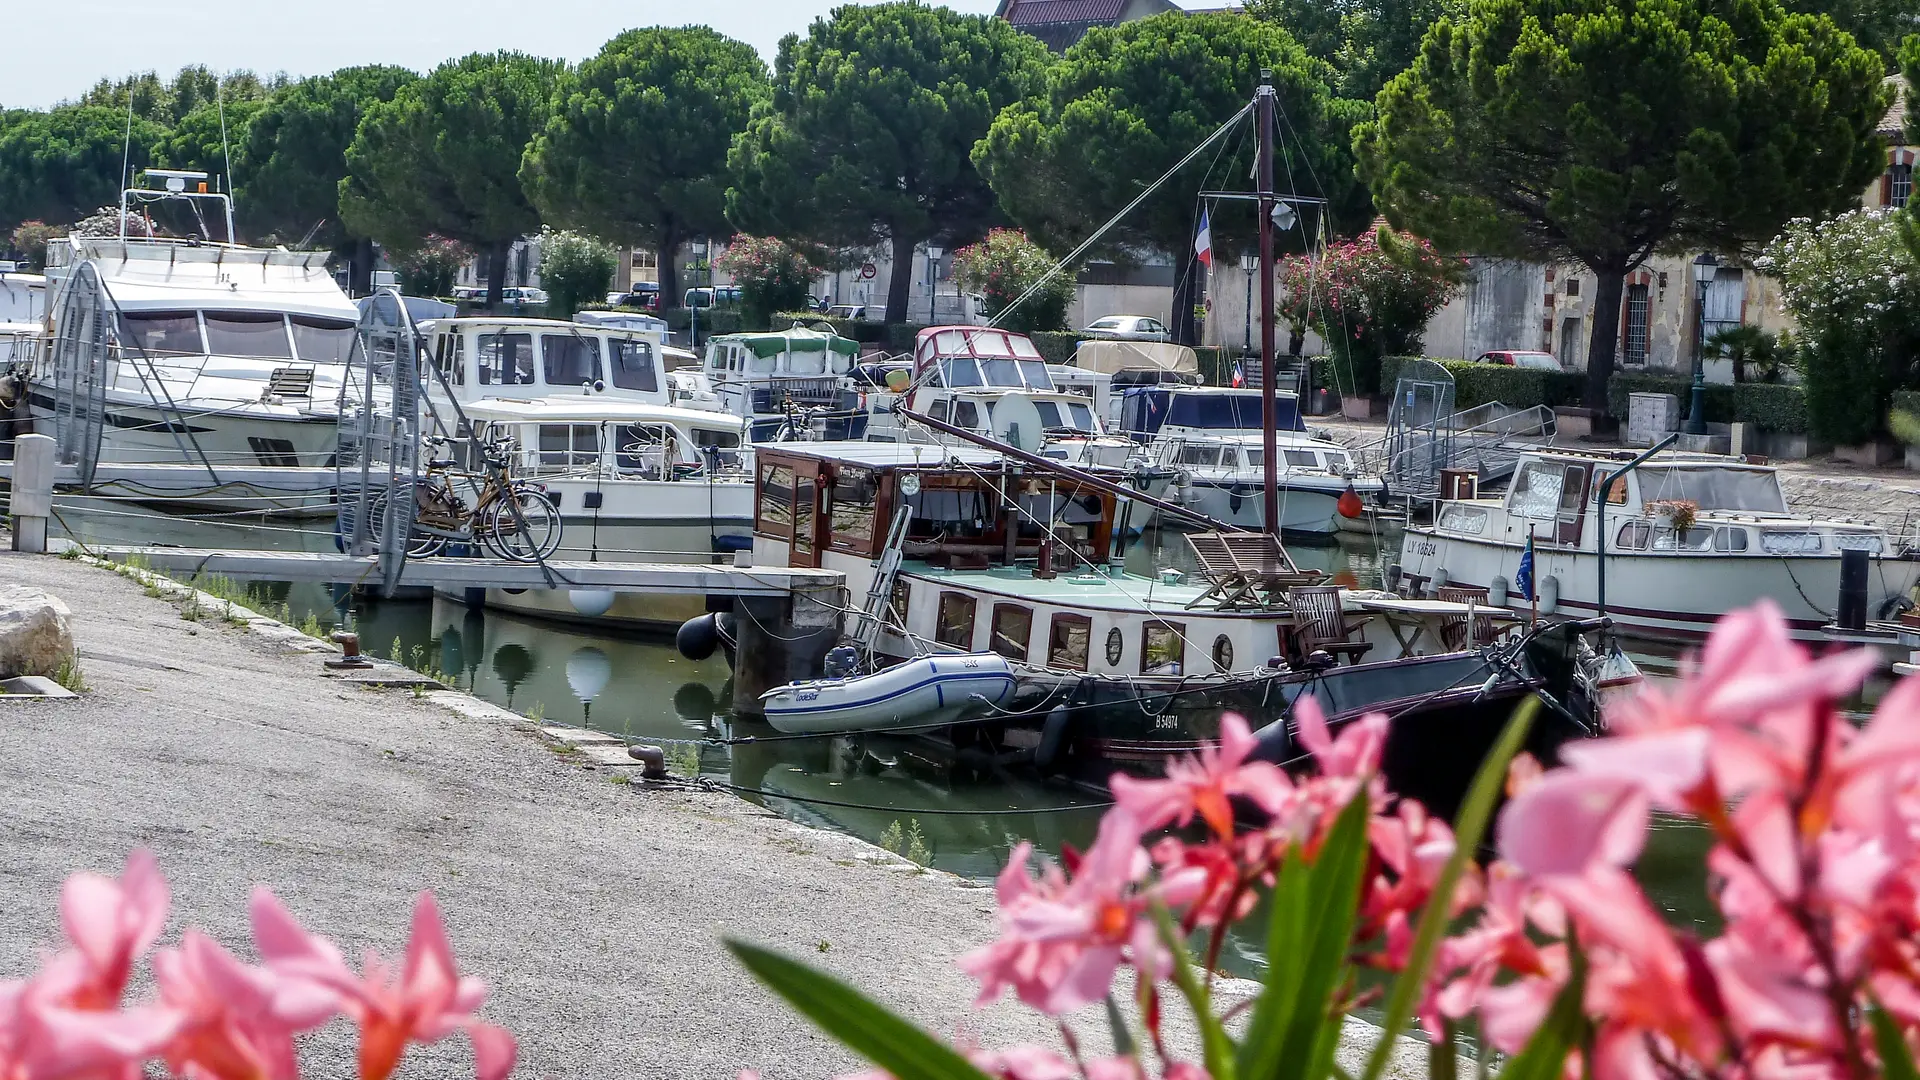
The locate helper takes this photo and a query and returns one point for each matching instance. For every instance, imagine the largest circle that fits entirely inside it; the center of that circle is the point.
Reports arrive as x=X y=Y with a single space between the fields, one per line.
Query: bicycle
x=513 y=519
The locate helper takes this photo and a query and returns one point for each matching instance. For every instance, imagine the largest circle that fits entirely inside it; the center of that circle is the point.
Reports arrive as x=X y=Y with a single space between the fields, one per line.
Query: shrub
x=1477 y=384
x=31 y=239
x=1778 y=407
x=1369 y=298
x=712 y=320
x=772 y=276
x=900 y=337
x=575 y=269
x=1002 y=268
x=432 y=268
x=1057 y=346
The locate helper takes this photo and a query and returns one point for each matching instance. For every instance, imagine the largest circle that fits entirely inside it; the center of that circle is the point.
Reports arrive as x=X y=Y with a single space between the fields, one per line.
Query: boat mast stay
x=1263 y=101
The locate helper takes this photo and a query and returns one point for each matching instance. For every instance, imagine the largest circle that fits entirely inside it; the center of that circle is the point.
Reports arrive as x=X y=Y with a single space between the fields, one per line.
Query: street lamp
x=1249 y=263
x=1704 y=269
x=933 y=271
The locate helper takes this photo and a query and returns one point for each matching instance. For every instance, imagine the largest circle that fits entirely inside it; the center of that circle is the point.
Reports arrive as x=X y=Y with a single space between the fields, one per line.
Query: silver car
x=1128 y=328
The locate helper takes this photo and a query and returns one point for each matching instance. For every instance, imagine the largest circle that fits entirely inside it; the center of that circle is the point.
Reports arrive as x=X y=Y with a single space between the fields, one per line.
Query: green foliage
x=1853 y=285
x=636 y=149
x=70 y=675
x=31 y=239
x=866 y=138
x=1125 y=103
x=1604 y=131
x=574 y=269
x=772 y=276
x=431 y=268
x=1745 y=345
x=864 y=331
x=1477 y=384
x=1002 y=268
x=1876 y=24
x=1366 y=41
x=712 y=320
x=1718 y=397
x=168 y=103
x=198 y=140
x=59 y=166
x=293 y=156
x=1778 y=407
x=443 y=158
x=1369 y=298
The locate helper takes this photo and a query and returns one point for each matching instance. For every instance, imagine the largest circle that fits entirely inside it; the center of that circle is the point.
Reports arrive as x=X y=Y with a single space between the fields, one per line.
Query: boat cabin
x=1247 y=453
x=1150 y=412
x=483 y=358
x=572 y=436
x=758 y=376
x=978 y=356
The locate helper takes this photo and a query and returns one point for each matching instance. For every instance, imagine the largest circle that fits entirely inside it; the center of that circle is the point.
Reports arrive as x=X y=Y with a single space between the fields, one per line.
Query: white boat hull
x=921 y=693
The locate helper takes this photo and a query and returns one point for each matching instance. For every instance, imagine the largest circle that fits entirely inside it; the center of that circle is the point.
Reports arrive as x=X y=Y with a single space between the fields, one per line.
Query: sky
x=112 y=38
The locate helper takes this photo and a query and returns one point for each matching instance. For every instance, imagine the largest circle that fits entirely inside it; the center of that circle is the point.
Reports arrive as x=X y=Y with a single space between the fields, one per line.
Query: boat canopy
x=1108 y=357
x=799 y=339
x=1714 y=487
x=1146 y=409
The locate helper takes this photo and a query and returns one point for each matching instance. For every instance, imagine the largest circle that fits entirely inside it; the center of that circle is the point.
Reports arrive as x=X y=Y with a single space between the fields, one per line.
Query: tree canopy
x=443 y=158
x=1877 y=24
x=868 y=134
x=295 y=153
x=1604 y=131
x=169 y=102
x=61 y=165
x=1125 y=104
x=1366 y=42
x=636 y=148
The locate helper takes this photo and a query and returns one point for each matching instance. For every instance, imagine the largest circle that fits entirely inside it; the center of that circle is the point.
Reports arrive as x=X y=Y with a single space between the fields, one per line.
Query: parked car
x=1128 y=328
x=523 y=296
x=472 y=294
x=718 y=296
x=645 y=296
x=1538 y=361
x=847 y=311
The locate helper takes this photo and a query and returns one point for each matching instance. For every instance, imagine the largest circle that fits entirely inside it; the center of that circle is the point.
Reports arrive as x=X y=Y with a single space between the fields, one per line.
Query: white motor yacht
x=1686 y=538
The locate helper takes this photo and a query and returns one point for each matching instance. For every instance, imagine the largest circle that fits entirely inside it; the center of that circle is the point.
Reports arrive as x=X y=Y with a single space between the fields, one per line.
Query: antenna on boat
x=1263 y=102
x=220 y=105
x=126 y=164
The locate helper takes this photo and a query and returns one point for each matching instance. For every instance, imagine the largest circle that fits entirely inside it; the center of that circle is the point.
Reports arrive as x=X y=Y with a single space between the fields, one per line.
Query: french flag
x=1203 y=243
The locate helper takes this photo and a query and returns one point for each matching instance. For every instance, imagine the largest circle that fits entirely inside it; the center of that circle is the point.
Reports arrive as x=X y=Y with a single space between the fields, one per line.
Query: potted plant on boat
x=1675 y=514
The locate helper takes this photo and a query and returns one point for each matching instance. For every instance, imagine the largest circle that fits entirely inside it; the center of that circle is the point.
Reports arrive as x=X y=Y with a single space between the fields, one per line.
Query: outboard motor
x=842 y=661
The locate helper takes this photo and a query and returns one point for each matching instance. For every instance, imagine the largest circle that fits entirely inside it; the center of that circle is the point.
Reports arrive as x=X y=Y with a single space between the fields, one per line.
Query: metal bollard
x=653 y=761
x=32 y=492
x=349 y=658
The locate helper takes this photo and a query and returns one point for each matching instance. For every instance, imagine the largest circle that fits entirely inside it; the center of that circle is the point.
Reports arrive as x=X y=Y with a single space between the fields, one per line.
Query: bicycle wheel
x=420 y=545
x=525 y=527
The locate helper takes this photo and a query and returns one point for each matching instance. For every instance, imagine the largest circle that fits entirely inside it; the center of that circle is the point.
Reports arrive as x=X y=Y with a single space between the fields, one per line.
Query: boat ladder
x=873 y=614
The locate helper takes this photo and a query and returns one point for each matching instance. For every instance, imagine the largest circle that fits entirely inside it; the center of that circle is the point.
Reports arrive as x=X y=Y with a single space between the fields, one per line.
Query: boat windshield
x=961 y=372
x=322 y=341
x=1066 y=416
x=247 y=333
x=161 y=333
x=1714 y=487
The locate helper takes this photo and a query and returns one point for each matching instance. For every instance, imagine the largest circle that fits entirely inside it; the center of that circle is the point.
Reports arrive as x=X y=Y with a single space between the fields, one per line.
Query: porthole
x=1222 y=653
x=1116 y=644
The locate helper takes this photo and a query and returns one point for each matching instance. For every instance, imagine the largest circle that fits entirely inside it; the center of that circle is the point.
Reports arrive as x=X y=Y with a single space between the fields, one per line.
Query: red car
x=1539 y=361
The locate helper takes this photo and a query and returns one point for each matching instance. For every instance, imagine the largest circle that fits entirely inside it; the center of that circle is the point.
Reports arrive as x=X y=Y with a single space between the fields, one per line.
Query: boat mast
x=1269 y=379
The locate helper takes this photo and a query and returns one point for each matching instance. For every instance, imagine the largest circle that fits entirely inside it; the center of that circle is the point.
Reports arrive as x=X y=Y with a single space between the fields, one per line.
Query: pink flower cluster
x=1358 y=289
x=214 y=1016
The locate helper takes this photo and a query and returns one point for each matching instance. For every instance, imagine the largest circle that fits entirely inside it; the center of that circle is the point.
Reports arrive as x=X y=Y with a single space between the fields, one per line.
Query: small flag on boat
x=1523 y=577
x=1203 y=243
x=1239 y=376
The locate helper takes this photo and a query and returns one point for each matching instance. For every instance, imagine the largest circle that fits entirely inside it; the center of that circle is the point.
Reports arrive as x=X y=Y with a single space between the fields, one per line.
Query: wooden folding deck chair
x=1485 y=629
x=1320 y=623
x=1249 y=569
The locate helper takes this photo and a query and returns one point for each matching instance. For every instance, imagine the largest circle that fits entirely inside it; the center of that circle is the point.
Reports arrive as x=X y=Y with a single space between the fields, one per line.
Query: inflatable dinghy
x=926 y=692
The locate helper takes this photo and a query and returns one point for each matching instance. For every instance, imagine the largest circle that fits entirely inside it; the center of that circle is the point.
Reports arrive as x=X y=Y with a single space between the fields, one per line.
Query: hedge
x=1780 y=407
x=1477 y=384
x=1907 y=401
x=865 y=331
x=712 y=320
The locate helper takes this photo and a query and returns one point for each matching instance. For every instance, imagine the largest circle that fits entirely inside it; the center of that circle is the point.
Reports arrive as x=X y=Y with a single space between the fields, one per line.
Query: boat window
x=1001 y=372
x=1714 y=487
x=851 y=505
x=965 y=415
x=1633 y=536
x=1049 y=415
x=1163 y=649
x=570 y=360
x=161 y=333
x=1191 y=454
x=806 y=502
x=1782 y=542
x=1729 y=539
x=776 y=499
x=632 y=363
x=721 y=448
x=1256 y=459
x=1857 y=541
x=960 y=372
x=1069 y=642
x=569 y=446
x=991 y=343
x=1464 y=519
x=449 y=357
x=247 y=333
x=1034 y=372
x=1337 y=462
x=955 y=625
x=1012 y=628
x=505 y=359
x=1081 y=416
x=950 y=341
x=645 y=448
x=1223 y=653
x=1024 y=347
x=330 y=341
x=1694 y=539
x=1301 y=459
x=938 y=410
x=1536 y=490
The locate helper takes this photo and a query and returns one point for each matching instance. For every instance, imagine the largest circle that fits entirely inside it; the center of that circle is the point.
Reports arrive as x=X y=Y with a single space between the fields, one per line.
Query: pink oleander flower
x=1061 y=941
x=44 y=1035
x=1353 y=754
x=424 y=1002
x=1206 y=784
x=112 y=922
x=237 y=1021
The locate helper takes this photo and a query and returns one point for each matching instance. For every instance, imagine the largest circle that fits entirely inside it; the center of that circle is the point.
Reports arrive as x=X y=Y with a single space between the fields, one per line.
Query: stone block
x=36 y=632
x=1356 y=407
x=1572 y=423
x=1785 y=446
x=1877 y=452
x=1650 y=417
x=1703 y=444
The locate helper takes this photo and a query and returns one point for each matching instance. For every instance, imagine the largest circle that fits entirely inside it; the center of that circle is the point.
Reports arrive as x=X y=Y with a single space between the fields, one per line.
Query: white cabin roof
x=885 y=455
x=171 y=276
x=471 y=322
x=590 y=409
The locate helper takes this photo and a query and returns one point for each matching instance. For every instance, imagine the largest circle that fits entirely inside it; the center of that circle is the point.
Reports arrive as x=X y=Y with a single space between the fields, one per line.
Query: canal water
x=885 y=790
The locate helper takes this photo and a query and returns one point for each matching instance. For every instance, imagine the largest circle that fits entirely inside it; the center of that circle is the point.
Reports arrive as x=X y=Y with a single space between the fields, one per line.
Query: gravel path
x=594 y=909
